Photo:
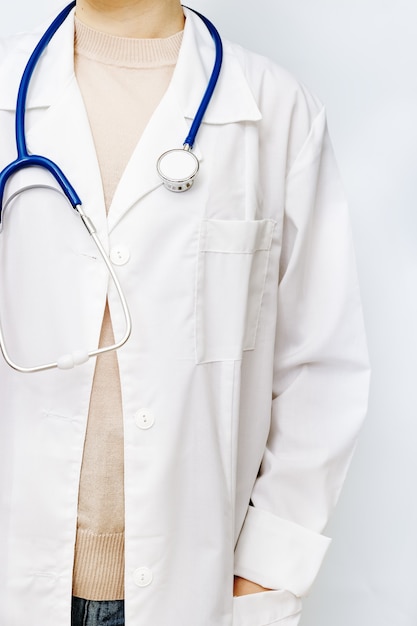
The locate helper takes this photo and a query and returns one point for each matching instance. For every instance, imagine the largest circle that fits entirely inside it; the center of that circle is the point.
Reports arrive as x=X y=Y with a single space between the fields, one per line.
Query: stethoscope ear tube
x=68 y=361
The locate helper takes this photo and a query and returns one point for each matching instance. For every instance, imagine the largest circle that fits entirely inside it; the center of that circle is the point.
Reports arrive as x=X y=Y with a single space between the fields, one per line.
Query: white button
x=144 y=419
x=119 y=255
x=142 y=576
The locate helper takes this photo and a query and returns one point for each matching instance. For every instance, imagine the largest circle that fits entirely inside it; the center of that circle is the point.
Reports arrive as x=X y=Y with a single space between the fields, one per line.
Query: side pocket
x=268 y=607
x=232 y=264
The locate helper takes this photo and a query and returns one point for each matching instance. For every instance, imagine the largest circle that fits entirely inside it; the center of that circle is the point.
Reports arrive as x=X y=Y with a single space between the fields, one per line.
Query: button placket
x=144 y=419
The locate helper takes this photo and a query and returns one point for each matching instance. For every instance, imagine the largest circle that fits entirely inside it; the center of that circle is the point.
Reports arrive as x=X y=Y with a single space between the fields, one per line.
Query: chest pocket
x=232 y=265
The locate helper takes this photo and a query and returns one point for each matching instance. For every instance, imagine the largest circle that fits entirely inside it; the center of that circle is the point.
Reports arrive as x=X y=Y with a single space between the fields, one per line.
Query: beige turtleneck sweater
x=122 y=81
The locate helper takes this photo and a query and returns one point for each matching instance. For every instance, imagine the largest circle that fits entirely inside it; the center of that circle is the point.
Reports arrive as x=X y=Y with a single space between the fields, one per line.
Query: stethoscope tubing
x=24 y=160
x=27 y=75
x=195 y=126
x=70 y=360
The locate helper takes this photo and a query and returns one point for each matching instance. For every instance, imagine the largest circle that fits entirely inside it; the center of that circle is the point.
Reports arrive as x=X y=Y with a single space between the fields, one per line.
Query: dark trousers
x=97 y=613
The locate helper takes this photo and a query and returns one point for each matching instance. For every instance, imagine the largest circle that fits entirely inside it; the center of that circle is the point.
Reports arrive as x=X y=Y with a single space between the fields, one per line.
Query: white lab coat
x=247 y=353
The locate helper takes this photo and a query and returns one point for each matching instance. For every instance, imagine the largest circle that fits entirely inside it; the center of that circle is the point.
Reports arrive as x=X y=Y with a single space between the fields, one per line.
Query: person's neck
x=145 y=19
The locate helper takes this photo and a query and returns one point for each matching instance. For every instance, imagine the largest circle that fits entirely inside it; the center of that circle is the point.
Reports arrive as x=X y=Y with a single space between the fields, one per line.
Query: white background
x=360 y=57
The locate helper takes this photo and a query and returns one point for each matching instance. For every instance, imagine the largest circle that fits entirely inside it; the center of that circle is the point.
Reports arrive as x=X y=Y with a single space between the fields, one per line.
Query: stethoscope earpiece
x=177 y=169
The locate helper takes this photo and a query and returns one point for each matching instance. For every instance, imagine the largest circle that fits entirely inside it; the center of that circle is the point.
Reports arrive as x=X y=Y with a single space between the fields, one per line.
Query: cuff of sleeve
x=277 y=553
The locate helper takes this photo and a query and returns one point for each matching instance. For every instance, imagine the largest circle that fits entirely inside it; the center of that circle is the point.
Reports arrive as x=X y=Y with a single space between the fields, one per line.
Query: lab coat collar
x=54 y=71
x=57 y=125
x=232 y=100
x=54 y=87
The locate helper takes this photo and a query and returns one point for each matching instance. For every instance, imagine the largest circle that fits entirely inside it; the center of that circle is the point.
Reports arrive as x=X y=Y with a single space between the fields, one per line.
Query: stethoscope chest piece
x=178 y=169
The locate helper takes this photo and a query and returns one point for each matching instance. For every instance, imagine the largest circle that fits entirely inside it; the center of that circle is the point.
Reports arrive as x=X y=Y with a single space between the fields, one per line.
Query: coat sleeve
x=321 y=378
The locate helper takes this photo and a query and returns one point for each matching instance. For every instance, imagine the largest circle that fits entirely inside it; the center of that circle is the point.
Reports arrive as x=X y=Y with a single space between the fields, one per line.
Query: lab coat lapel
x=63 y=135
x=166 y=129
x=169 y=126
x=57 y=123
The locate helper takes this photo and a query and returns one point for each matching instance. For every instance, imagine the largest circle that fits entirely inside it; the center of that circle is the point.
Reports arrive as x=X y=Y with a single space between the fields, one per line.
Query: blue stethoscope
x=177 y=168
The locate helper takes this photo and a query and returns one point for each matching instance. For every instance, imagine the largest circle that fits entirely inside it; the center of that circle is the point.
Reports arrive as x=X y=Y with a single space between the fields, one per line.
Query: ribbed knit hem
x=99 y=566
x=126 y=51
